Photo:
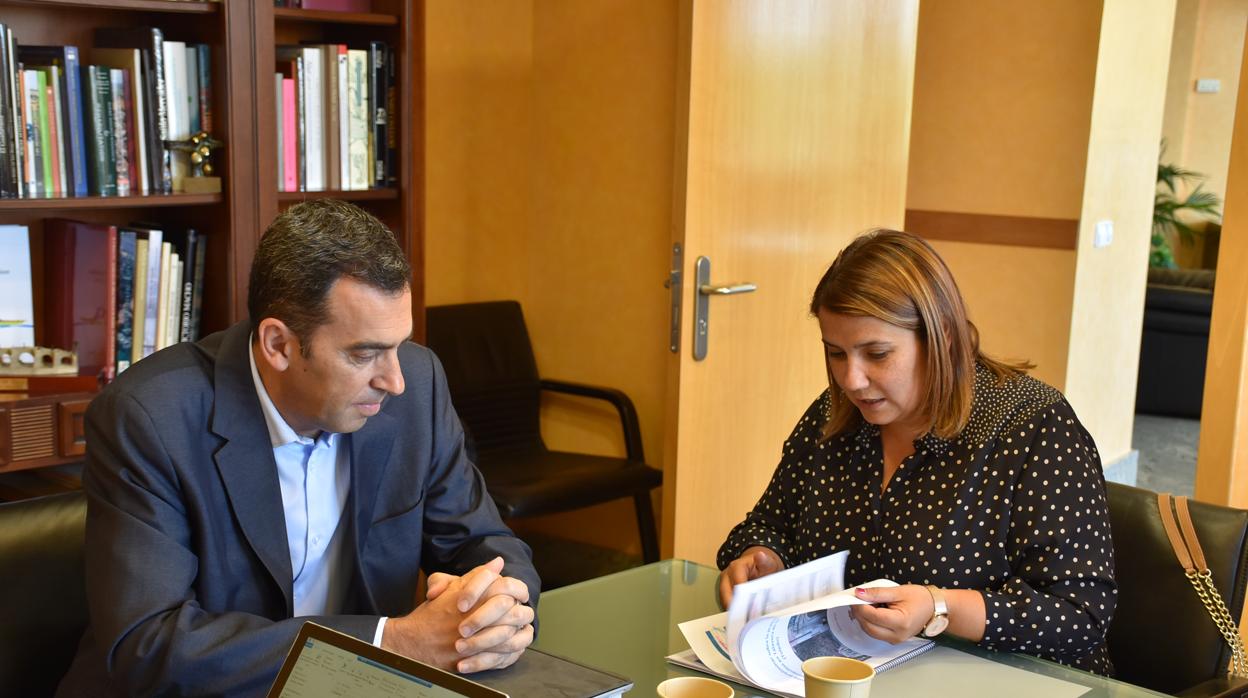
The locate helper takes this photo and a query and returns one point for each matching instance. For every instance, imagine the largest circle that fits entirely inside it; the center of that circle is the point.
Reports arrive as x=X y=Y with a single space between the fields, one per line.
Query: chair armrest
x=623 y=405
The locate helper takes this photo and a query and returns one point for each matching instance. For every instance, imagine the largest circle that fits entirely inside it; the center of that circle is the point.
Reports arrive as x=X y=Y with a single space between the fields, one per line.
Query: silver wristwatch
x=940 y=615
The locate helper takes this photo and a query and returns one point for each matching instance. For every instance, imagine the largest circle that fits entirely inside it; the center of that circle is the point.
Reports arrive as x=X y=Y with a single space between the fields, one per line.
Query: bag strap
x=1187 y=549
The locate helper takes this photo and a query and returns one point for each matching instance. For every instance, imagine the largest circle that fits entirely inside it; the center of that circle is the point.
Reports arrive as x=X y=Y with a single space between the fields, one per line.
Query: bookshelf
x=242 y=35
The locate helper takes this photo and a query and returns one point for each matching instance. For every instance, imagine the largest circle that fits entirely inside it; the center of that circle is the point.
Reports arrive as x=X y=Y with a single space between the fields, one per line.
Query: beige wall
x=1208 y=43
x=479 y=57
x=1031 y=321
x=1002 y=108
x=1002 y=96
x=1108 y=305
x=549 y=176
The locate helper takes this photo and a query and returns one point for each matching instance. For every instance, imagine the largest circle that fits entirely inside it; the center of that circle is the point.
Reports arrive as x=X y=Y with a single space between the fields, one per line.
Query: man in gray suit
x=304 y=465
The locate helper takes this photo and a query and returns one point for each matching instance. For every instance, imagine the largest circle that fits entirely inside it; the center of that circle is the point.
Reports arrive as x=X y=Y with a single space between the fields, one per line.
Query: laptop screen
x=324 y=663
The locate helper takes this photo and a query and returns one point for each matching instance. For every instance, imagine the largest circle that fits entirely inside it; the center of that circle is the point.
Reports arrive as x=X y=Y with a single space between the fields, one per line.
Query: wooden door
x=793 y=139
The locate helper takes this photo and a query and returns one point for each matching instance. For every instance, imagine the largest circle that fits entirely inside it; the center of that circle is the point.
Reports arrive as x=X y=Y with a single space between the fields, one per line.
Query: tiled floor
x=1167 y=449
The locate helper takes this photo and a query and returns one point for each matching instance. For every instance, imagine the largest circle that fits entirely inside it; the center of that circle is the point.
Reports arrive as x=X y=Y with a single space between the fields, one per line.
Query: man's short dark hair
x=307 y=249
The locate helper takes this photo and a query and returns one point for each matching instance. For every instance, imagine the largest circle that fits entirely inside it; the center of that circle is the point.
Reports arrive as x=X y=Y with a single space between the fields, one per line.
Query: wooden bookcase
x=242 y=34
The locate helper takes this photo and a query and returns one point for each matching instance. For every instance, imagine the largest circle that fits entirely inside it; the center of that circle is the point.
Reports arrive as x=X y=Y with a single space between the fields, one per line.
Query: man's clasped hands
x=467 y=623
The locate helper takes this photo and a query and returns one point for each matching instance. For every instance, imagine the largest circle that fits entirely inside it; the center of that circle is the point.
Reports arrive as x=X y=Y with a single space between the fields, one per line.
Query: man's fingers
x=488 y=613
x=437 y=583
x=474 y=584
x=509 y=586
x=500 y=655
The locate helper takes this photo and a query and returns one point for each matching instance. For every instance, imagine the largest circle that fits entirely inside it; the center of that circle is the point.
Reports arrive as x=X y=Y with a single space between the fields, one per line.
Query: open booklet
x=774 y=623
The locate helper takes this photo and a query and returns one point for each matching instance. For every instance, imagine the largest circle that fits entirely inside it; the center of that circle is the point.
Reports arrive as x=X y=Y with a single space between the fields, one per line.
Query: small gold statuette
x=203 y=179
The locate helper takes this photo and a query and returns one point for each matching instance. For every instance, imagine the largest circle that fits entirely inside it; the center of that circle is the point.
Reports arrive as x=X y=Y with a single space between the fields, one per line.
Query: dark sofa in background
x=1175 y=342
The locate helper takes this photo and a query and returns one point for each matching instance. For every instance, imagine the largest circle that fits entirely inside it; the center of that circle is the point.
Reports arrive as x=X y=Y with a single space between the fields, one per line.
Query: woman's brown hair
x=898 y=278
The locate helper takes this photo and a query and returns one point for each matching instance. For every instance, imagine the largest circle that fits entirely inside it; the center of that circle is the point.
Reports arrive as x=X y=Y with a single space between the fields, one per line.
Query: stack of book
x=116 y=294
x=94 y=122
x=335 y=105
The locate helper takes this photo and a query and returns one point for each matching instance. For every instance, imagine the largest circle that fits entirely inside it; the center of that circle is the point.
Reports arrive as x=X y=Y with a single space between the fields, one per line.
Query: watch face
x=936 y=626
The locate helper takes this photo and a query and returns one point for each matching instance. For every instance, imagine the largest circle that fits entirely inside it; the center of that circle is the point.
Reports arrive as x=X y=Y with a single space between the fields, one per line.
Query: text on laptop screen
x=326 y=671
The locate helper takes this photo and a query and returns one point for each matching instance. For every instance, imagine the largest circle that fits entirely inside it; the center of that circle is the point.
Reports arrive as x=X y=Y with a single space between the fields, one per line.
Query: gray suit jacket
x=188 y=566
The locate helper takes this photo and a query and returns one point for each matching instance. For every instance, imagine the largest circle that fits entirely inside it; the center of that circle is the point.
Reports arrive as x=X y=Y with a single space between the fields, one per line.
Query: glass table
x=626 y=623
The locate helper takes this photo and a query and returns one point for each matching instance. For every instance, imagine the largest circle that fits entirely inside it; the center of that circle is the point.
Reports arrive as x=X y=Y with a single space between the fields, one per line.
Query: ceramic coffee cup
x=694 y=687
x=837 y=677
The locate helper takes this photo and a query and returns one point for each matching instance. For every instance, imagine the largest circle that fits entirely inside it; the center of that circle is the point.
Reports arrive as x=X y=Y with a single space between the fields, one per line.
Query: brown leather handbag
x=1177 y=521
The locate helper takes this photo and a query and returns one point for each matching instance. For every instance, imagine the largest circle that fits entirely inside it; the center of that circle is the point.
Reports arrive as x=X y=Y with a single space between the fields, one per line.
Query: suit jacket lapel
x=371 y=449
x=246 y=460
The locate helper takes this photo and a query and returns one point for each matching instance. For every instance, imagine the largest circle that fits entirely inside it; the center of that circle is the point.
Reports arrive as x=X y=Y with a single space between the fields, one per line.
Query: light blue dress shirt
x=315 y=478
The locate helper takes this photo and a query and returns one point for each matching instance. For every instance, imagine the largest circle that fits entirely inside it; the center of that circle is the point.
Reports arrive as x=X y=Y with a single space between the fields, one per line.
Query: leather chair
x=1161 y=636
x=495 y=388
x=43 y=601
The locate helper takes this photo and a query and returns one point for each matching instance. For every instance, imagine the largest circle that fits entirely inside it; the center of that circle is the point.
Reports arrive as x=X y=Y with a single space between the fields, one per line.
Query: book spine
x=125 y=298
x=152 y=297
x=34 y=141
x=191 y=80
x=205 y=87
x=333 y=151
x=162 y=110
x=377 y=103
x=51 y=136
x=139 y=137
x=17 y=101
x=279 y=106
x=47 y=145
x=314 y=111
x=301 y=124
x=392 y=122
x=121 y=136
x=188 y=286
x=141 y=266
x=344 y=120
x=290 y=115
x=162 y=299
x=61 y=129
x=109 y=369
x=197 y=295
x=8 y=165
x=77 y=130
x=99 y=102
x=179 y=126
x=357 y=87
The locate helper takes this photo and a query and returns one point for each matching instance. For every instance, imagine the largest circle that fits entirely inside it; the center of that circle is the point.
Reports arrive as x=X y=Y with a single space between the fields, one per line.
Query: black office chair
x=1161 y=636
x=43 y=599
x=496 y=391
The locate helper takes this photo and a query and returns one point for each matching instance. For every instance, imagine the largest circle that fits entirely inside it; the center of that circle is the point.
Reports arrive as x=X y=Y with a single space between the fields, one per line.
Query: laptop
x=324 y=663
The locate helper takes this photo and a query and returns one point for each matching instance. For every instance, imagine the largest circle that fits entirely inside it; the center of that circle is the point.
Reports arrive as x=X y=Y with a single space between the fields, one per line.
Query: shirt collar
x=280 y=433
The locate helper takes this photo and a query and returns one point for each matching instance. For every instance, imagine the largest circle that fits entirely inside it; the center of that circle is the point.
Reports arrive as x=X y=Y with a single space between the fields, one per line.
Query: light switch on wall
x=1104 y=234
x=1208 y=85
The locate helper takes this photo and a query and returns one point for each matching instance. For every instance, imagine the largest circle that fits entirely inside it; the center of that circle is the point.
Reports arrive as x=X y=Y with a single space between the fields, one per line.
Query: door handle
x=729 y=290
x=702 y=306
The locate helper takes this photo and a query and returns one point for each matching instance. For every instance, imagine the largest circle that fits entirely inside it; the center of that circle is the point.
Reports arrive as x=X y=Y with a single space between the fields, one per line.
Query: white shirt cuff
x=381 y=628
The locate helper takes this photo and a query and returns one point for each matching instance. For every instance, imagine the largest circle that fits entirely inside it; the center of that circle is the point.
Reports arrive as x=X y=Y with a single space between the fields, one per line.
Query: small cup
x=694 y=687
x=837 y=677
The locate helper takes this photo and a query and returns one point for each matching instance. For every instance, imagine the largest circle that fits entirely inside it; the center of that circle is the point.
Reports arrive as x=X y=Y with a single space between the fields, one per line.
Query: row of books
x=96 y=122
x=114 y=294
x=334 y=107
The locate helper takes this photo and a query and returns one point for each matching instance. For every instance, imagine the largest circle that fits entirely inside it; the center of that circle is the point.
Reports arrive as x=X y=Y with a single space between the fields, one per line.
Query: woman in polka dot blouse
x=954 y=474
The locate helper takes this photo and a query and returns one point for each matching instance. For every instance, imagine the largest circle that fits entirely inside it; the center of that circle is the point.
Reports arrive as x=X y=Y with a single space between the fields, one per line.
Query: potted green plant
x=1172 y=216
